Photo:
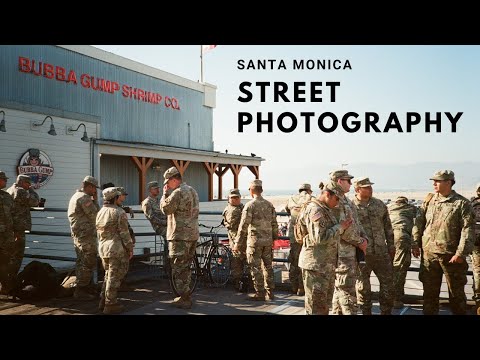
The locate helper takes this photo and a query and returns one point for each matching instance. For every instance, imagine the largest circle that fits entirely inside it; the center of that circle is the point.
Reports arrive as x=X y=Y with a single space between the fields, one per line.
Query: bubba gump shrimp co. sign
x=37 y=165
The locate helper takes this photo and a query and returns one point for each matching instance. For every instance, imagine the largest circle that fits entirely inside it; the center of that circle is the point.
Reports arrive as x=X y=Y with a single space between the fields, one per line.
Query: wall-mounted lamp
x=84 y=137
x=2 y=123
x=52 y=128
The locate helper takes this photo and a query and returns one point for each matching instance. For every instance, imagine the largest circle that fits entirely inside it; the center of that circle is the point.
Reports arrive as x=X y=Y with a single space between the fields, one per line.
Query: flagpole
x=201 y=64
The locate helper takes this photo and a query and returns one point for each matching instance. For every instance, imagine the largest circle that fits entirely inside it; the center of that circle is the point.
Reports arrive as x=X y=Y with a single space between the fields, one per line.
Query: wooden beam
x=142 y=164
x=236 y=170
x=181 y=165
x=210 y=167
x=255 y=170
x=222 y=169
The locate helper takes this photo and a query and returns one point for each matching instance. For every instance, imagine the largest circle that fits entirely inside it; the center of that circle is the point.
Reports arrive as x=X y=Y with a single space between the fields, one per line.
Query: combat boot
x=257 y=297
x=301 y=292
x=81 y=293
x=397 y=304
x=185 y=302
x=101 y=304
x=269 y=295
x=367 y=311
x=113 y=308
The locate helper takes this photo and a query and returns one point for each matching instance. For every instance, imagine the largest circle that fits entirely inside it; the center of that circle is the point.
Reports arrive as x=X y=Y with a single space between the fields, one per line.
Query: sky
x=382 y=79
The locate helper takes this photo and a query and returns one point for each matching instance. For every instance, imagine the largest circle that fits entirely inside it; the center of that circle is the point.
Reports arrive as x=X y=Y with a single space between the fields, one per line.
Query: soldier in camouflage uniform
x=344 y=295
x=9 y=225
x=444 y=229
x=180 y=203
x=231 y=219
x=318 y=257
x=402 y=215
x=24 y=198
x=82 y=212
x=476 y=250
x=373 y=215
x=257 y=230
x=115 y=248
x=152 y=211
x=294 y=204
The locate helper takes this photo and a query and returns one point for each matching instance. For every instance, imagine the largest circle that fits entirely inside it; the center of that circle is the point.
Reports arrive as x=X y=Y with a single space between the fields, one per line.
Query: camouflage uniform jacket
x=402 y=217
x=231 y=220
x=258 y=225
x=24 y=200
x=82 y=213
x=152 y=211
x=321 y=245
x=112 y=229
x=445 y=225
x=352 y=236
x=294 y=204
x=376 y=224
x=475 y=202
x=8 y=220
x=181 y=207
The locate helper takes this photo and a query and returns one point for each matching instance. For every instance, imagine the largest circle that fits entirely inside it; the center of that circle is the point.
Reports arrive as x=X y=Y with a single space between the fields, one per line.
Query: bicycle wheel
x=194 y=268
x=219 y=265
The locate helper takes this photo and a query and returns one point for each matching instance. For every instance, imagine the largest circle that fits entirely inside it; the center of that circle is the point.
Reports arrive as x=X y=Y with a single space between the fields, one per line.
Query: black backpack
x=37 y=281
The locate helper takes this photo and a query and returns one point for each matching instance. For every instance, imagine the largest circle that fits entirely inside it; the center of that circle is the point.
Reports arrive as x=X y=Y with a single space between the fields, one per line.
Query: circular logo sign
x=37 y=165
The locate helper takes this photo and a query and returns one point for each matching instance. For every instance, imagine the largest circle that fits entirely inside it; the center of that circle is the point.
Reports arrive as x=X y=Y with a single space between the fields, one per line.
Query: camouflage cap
x=339 y=174
x=402 y=199
x=443 y=175
x=234 y=193
x=91 y=180
x=122 y=190
x=255 y=182
x=3 y=176
x=362 y=182
x=169 y=173
x=305 y=186
x=334 y=187
x=24 y=178
x=110 y=193
x=152 y=184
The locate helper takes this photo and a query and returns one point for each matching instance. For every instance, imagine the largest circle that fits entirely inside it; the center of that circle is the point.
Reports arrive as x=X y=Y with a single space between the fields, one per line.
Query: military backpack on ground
x=37 y=281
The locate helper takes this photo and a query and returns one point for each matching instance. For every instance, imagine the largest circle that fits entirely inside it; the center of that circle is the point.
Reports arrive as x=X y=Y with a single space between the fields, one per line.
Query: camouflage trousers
x=18 y=251
x=262 y=278
x=239 y=260
x=181 y=254
x=432 y=269
x=317 y=285
x=476 y=273
x=381 y=265
x=345 y=296
x=87 y=250
x=7 y=272
x=401 y=263
x=295 y=273
x=115 y=270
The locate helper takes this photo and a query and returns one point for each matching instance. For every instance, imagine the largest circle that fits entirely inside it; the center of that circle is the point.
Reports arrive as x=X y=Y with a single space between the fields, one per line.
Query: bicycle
x=211 y=258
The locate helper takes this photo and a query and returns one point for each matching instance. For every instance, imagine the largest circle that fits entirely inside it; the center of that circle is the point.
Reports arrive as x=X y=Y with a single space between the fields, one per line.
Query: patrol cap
x=334 y=187
x=402 y=199
x=3 y=176
x=152 y=184
x=340 y=174
x=169 y=173
x=110 y=193
x=305 y=186
x=24 y=178
x=122 y=190
x=91 y=180
x=443 y=175
x=256 y=182
x=234 y=193
x=362 y=182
